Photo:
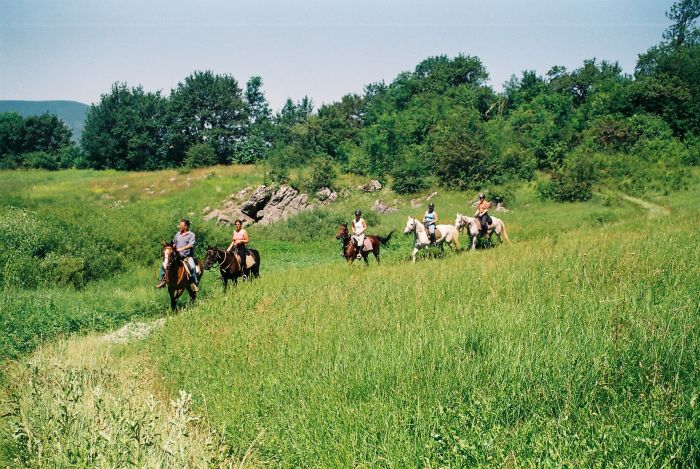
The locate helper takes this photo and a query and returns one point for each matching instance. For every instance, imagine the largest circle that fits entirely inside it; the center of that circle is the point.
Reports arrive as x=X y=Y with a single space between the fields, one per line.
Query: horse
x=447 y=234
x=497 y=226
x=176 y=276
x=349 y=249
x=229 y=266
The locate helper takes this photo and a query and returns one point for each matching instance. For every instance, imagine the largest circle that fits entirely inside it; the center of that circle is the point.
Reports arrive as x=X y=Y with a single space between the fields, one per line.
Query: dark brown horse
x=176 y=276
x=229 y=265
x=349 y=249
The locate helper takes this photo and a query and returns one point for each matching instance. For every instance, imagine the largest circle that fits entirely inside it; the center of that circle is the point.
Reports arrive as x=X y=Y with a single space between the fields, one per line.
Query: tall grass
x=579 y=349
x=577 y=344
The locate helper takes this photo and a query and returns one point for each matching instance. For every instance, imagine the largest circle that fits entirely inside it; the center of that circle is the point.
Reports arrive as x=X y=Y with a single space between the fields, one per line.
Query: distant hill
x=71 y=112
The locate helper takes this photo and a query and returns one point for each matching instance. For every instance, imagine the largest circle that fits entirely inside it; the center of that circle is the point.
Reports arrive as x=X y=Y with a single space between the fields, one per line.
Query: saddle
x=249 y=259
x=438 y=233
x=367 y=245
x=188 y=274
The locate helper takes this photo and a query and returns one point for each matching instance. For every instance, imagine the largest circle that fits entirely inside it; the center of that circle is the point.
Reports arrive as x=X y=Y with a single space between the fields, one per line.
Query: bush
x=72 y=156
x=200 y=155
x=501 y=194
x=322 y=174
x=40 y=160
x=574 y=180
x=409 y=177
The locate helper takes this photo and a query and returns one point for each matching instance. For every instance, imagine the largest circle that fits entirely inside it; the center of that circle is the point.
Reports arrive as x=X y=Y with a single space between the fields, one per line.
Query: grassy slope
x=579 y=347
x=578 y=342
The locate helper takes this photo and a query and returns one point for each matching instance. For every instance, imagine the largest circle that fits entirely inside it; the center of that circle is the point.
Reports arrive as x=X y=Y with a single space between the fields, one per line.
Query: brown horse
x=349 y=249
x=229 y=266
x=176 y=276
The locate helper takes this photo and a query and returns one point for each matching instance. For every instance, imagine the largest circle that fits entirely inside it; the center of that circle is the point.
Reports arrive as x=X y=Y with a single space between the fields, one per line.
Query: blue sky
x=71 y=49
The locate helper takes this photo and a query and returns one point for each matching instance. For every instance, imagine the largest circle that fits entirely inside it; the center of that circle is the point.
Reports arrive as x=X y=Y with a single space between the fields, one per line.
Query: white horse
x=474 y=225
x=444 y=234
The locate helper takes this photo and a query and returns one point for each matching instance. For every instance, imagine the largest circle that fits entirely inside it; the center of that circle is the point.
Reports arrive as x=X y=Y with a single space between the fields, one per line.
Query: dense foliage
x=442 y=117
x=42 y=141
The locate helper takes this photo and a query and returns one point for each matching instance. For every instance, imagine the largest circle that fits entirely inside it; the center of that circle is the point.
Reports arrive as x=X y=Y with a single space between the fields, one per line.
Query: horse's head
x=410 y=225
x=343 y=232
x=212 y=256
x=463 y=221
x=168 y=254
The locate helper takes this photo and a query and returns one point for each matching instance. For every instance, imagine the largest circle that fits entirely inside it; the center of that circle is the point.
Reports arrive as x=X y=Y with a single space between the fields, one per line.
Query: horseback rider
x=184 y=245
x=359 y=225
x=482 y=213
x=430 y=221
x=239 y=240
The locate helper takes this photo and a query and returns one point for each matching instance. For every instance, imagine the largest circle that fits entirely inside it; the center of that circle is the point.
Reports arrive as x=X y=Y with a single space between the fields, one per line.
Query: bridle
x=219 y=254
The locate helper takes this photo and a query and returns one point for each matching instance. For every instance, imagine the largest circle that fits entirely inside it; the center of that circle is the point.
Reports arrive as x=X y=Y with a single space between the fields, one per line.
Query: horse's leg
x=375 y=251
x=173 y=300
x=364 y=257
x=413 y=254
x=193 y=295
x=473 y=242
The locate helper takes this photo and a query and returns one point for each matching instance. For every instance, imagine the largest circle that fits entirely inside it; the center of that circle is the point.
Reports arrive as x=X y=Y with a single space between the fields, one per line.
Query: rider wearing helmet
x=359 y=225
x=430 y=220
x=482 y=213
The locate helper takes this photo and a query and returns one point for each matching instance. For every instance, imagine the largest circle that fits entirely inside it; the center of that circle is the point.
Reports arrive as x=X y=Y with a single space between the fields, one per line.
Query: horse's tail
x=505 y=232
x=386 y=238
x=255 y=270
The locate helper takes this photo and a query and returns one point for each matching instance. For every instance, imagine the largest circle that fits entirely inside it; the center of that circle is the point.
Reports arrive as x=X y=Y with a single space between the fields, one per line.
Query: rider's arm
x=436 y=218
x=245 y=237
x=230 y=246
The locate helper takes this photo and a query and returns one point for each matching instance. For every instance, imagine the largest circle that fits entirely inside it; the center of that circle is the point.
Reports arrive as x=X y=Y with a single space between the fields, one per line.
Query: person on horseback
x=430 y=221
x=359 y=225
x=482 y=213
x=184 y=244
x=239 y=240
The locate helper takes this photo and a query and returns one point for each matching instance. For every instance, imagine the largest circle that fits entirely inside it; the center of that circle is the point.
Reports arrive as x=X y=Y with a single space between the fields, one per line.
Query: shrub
x=409 y=177
x=40 y=160
x=574 y=180
x=322 y=174
x=200 y=155
x=501 y=194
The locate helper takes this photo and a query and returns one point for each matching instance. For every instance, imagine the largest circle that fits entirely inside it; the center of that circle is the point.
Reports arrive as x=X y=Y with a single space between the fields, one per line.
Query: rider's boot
x=359 y=251
x=432 y=239
x=161 y=284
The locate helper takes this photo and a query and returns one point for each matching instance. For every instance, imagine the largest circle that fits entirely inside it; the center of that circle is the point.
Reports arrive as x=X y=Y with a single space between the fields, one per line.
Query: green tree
x=45 y=133
x=124 y=130
x=200 y=155
x=683 y=13
x=11 y=138
x=206 y=108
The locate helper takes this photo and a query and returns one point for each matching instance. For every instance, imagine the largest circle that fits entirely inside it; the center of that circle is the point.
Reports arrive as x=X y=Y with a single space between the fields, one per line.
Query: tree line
x=440 y=122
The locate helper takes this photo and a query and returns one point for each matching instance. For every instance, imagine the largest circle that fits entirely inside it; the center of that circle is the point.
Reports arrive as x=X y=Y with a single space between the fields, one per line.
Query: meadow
x=576 y=344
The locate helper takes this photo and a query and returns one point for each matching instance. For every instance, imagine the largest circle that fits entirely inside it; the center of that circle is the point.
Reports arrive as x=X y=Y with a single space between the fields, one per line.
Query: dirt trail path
x=654 y=209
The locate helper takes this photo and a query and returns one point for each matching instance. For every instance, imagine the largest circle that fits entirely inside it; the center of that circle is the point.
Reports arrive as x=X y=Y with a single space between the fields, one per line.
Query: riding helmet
x=357 y=212
x=431 y=205
x=481 y=195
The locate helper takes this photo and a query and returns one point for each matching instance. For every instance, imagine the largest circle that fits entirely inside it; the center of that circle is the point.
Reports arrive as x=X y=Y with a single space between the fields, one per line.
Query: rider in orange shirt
x=482 y=213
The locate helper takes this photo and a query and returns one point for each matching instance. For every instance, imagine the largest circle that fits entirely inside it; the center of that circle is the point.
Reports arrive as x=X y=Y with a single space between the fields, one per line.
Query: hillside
x=576 y=344
x=71 y=112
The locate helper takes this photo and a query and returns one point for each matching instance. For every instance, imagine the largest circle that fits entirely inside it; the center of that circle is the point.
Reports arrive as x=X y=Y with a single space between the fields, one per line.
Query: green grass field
x=576 y=344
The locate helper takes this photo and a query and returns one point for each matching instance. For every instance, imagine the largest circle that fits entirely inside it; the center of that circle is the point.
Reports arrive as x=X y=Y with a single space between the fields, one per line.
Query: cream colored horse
x=448 y=234
x=474 y=225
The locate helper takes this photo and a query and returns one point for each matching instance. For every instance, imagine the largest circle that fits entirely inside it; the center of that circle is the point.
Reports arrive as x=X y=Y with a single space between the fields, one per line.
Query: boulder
x=382 y=208
x=211 y=215
x=434 y=194
x=286 y=201
x=415 y=203
x=257 y=202
x=372 y=186
x=326 y=195
x=501 y=208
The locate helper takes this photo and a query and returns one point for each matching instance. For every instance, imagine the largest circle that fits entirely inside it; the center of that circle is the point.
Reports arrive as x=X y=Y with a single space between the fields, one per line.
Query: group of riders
x=184 y=240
